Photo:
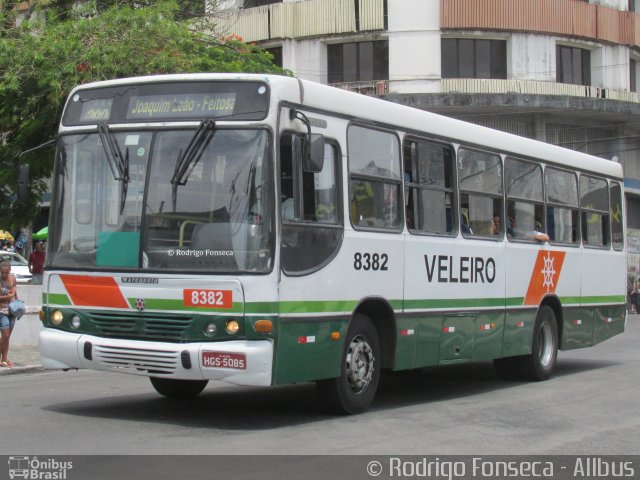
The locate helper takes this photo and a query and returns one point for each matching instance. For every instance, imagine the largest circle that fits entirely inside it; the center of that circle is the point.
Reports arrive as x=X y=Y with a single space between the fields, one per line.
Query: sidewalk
x=26 y=356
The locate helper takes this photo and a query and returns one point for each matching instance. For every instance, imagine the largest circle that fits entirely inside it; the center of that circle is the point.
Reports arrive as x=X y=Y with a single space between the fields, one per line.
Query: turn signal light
x=263 y=326
x=41 y=314
x=335 y=335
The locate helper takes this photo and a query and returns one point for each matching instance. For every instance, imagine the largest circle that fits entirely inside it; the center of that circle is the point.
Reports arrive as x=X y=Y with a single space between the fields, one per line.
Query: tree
x=67 y=43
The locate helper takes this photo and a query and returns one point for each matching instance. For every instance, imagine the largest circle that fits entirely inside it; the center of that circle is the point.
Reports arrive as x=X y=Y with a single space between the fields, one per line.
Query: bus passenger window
x=480 y=193
x=428 y=177
x=562 y=205
x=594 y=200
x=374 y=179
x=525 y=201
x=615 y=202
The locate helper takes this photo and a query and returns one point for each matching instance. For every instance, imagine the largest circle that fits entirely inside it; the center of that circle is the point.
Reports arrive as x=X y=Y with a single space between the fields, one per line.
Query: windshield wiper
x=189 y=159
x=118 y=164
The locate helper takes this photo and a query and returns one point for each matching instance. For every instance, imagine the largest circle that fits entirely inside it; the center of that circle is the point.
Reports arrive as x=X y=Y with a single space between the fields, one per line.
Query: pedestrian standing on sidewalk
x=36 y=264
x=7 y=322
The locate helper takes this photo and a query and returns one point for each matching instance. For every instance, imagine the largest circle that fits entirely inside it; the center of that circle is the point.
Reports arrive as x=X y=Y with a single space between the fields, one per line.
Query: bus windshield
x=216 y=216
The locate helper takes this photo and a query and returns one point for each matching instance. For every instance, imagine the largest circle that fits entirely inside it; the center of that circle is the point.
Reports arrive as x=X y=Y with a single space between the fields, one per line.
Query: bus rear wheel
x=173 y=388
x=539 y=365
x=353 y=391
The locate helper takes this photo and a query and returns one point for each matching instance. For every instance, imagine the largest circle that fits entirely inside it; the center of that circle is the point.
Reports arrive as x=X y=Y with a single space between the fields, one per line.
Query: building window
x=277 y=55
x=358 y=62
x=633 y=79
x=468 y=58
x=573 y=65
x=259 y=3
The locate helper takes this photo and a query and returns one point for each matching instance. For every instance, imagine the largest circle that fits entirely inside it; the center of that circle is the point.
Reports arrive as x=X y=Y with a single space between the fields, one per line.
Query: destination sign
x=96 y=110
x=173 y=101
x=185 y=105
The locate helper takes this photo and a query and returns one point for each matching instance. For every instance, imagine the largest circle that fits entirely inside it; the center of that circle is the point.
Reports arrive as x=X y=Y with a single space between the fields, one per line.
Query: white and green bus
x=264 y=230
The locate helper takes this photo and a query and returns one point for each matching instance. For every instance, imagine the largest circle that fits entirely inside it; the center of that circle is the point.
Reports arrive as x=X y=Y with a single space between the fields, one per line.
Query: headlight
x=232 y=327
x=210 y=329
x=75 y=321
x=56 y=317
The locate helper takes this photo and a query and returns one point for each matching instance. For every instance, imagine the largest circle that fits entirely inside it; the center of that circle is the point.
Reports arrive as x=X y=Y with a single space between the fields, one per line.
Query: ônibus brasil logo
x=32 y=468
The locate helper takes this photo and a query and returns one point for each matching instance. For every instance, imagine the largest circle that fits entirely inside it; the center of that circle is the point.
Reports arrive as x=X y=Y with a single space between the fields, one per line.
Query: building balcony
x=307 y=19
x=570 y=18
x=475 y=95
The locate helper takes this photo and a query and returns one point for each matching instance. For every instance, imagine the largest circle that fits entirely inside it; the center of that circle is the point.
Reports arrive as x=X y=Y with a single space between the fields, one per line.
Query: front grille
x=148 y=326
x=158 y=362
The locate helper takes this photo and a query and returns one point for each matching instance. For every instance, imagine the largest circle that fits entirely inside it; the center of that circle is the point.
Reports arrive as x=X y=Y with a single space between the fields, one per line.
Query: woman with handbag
x=7 y=321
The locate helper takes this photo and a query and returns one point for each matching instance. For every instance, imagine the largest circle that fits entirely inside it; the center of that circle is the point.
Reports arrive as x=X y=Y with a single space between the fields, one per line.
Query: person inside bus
x=464 y=223
x=514 y=232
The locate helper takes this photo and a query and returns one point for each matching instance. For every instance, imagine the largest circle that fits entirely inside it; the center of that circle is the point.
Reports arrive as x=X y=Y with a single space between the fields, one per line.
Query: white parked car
x=19 y=266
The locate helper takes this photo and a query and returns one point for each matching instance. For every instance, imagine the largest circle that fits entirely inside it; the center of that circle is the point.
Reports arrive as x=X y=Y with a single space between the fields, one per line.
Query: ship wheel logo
x=140 y=305
x=548 y=272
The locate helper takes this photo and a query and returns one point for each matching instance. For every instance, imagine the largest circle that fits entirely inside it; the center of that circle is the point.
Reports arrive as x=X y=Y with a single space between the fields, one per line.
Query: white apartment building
x=561 y=71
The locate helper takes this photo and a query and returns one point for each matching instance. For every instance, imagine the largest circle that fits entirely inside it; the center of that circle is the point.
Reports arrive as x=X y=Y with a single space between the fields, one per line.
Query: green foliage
x=63 y=44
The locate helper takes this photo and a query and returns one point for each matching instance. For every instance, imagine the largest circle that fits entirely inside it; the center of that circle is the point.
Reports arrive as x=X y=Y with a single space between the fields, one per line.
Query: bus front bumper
x=247 y=362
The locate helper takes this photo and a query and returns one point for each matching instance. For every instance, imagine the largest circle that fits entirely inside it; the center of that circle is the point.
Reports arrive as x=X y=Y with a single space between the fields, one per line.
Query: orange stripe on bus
x=545 y=275
x=89 y=291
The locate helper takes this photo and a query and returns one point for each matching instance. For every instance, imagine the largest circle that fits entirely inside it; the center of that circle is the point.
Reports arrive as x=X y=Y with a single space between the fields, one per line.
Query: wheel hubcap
x=359 y=364
x=545 y=353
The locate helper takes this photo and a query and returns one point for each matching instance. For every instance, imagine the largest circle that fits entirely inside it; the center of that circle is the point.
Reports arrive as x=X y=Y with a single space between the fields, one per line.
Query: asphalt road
x=591 y=406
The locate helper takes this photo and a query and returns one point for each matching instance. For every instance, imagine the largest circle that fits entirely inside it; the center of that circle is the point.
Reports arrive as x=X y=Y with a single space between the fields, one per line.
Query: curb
x=22 y=369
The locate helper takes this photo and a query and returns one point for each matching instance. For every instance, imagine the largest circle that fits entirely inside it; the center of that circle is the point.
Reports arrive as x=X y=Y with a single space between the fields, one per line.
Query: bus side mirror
x=313 y=158
x=23 y=182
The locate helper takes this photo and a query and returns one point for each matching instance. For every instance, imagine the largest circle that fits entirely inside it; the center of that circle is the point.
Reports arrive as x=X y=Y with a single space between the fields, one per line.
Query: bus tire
x=173 y=388
x=539 y=365
x=353 y=391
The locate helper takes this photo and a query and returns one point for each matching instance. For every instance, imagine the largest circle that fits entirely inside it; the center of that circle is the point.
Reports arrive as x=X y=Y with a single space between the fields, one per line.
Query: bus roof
x=381 y=112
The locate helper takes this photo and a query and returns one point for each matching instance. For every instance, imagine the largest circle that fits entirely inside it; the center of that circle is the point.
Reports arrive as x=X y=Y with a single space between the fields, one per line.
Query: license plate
x=224 y=360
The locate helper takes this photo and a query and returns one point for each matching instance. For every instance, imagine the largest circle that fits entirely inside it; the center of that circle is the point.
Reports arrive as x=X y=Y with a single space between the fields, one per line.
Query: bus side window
x=615 y=202
x=428 y=177
x=594 y=201
x=374 y=179
x=525 y=200
x=561 y=191
x=311 y=224
x=480 y=193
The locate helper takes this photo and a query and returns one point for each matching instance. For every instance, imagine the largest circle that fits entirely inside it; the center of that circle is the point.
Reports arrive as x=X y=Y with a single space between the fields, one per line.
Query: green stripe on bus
x=604 y=299
x=454 y=303
x=56 y=299
x=319 y=306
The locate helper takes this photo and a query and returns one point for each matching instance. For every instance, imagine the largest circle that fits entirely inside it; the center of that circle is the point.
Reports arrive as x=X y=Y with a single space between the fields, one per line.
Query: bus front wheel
x=170 y=387
x=539 y=365
x=353 y=391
